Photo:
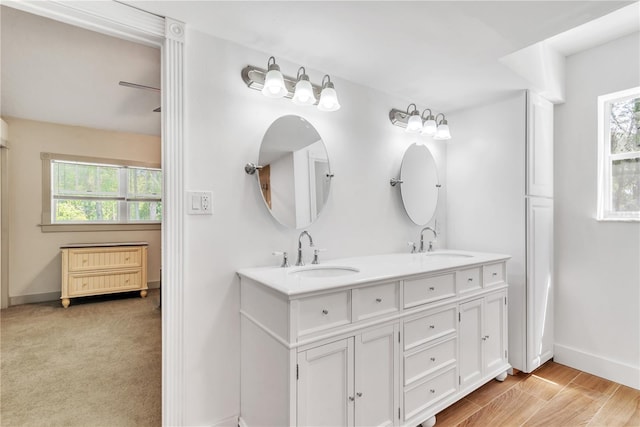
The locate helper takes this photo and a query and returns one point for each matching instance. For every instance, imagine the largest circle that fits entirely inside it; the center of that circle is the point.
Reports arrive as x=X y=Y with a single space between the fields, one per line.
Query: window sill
x=618 y=219
x=65 y=228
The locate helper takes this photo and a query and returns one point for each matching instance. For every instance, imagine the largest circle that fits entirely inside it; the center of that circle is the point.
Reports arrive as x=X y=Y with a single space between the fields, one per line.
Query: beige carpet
x=97 y=363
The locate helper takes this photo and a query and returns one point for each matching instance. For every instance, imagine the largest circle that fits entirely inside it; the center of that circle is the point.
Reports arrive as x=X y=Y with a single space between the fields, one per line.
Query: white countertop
x=372 y=268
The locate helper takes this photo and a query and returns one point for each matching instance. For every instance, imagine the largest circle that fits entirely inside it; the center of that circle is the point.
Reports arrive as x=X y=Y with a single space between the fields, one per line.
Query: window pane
x=85 y=210
x=145 y=183
x=145 y=211
x=85 y=179
x=625 y=119
x=625 y=185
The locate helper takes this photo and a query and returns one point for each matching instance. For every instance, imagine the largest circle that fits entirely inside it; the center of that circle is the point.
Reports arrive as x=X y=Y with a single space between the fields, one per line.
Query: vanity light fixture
x=273 y=84
x=328 y=96
x=426 y=124
x=429 y=127
x=274 y=81
x=443 y=129
x=303 y=92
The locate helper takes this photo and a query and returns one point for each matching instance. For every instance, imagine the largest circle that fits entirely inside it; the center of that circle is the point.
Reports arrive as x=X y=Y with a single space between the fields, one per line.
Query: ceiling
x=60 y=73
x=439 y=54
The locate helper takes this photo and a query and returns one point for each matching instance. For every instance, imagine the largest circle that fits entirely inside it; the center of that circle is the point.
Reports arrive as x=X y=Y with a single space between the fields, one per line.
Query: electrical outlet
x=199 y=203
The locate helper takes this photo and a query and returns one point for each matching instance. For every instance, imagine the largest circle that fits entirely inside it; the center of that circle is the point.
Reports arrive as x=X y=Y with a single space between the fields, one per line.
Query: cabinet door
x=539 y=146
x=539 y=281
x=325 y=385
x=494 y=339
x=376 y=377
x=470 y=341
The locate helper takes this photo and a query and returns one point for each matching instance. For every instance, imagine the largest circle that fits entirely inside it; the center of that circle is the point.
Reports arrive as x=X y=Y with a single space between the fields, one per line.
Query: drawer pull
x=433 y=359
x=432 y=391
x=470 y=279
x=378 y=299
x=431 y=288
x=494 y=274
x=325 y=312
x=432 y=326
x=486 y=337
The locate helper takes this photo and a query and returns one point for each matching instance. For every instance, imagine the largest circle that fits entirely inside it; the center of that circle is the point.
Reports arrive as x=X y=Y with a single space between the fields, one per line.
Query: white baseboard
x=613 y=370
x=228 y=422
x=54 y=296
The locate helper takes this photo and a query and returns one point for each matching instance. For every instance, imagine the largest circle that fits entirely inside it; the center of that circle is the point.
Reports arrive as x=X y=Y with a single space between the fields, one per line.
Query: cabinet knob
x=431 y=288
x=325 y=311
x=470 y=279
x=432 y=391
x=378 y=299
x=351 y=398
x=359 y=394
x=432 y=326
x=494 y=274
x=433 y=359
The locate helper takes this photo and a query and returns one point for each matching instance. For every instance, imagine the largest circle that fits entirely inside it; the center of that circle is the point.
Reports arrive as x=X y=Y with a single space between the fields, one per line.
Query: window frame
x=605 y=158
x=48 y=226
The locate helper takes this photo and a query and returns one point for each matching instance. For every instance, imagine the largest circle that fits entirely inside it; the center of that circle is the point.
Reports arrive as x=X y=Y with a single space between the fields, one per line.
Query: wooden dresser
x=103 y=268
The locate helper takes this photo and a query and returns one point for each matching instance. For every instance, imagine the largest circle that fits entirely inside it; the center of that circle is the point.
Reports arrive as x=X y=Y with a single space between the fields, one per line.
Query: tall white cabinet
x=500 y=199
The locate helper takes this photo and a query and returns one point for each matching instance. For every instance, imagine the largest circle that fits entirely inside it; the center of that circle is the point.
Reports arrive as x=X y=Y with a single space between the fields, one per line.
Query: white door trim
x=119 y=20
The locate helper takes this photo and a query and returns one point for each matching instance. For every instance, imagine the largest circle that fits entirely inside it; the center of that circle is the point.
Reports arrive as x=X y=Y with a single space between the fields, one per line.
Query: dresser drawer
x=323 y=312
x=104 y=258
x=428 y=327
x=468 y=279
x=493 y=274
x=427 y=289
x=421 y=396
x=427 y=360
x=375 y=300
x=91 y=284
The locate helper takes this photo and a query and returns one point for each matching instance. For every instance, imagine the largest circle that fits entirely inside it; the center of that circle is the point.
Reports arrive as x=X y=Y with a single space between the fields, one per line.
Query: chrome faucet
x=435 y=236
x=300 y=262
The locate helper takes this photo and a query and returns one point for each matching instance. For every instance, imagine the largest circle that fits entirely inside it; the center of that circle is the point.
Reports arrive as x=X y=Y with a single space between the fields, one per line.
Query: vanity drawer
x=468 y=279
x=427 y=360
x=421 y=396
x=323 y=312
x=493 y=274
x=427 y=289
x=427 y=327
x=375 y=300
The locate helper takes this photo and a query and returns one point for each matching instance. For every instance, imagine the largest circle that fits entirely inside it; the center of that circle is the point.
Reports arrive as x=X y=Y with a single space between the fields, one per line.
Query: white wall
x=225 y=124
x=34 y=256
x=597 y=314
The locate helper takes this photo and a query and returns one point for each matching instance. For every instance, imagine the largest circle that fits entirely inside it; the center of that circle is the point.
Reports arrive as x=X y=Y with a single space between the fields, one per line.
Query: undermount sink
x=323 y=271
x=446 y=255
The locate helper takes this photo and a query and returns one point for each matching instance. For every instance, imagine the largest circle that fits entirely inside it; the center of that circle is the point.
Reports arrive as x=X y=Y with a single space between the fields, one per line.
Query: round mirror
x=419 y=187
x=295 y=177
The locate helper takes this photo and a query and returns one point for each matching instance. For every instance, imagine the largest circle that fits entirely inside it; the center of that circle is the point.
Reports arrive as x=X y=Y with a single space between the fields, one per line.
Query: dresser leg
x=430 y=422
x=502 y=376
x=143 y=293
x=66 y=302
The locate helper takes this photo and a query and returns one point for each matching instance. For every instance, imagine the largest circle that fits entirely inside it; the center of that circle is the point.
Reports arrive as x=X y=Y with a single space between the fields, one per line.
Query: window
x=81 y=191
x=619 y=156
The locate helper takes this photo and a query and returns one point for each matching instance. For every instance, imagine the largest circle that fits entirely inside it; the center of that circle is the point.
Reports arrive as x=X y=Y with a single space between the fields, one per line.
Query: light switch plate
x=199 y=202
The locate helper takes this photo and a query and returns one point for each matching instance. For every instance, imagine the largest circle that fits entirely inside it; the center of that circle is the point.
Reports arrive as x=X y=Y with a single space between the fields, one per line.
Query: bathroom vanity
x=387 y=340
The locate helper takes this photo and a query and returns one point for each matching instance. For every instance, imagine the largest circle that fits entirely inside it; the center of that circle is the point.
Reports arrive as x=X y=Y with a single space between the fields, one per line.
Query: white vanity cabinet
x=350 y=382
x=373 y=350
x=482 y=337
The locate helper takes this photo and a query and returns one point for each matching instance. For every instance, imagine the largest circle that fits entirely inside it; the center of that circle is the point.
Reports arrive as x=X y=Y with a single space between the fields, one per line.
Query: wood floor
x=553 y=395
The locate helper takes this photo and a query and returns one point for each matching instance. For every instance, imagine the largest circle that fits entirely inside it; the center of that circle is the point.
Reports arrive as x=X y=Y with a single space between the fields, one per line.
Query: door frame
x=126 y=22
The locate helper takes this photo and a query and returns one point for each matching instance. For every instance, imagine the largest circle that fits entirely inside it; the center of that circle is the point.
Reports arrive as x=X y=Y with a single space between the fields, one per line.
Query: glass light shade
x=442 y=132
x=303 y=93
x=414 y=124
x=274 y=84
x=328 y=100
x=430 y=127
